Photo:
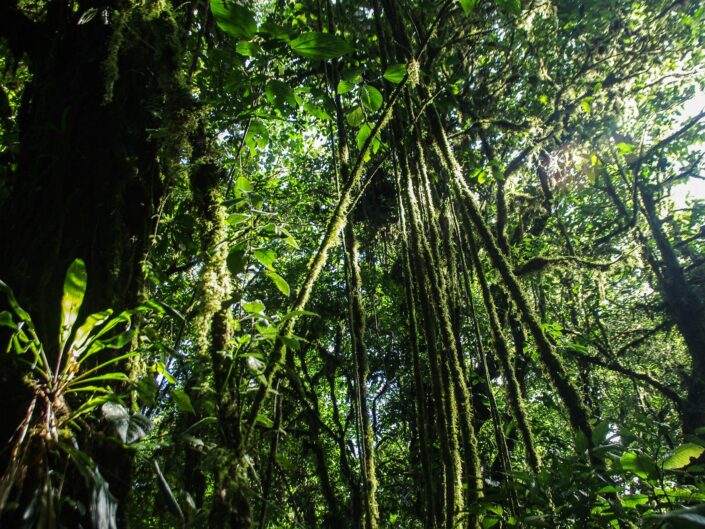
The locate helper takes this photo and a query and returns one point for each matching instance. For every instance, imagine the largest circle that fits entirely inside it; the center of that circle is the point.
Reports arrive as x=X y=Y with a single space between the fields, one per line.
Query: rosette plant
x=65 y=385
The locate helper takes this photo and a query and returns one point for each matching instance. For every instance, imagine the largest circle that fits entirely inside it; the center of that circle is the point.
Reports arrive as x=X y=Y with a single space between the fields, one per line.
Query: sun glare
x=693 y=188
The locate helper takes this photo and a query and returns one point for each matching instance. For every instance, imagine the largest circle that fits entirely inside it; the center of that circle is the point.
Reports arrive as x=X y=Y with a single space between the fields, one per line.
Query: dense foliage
x=316 y=263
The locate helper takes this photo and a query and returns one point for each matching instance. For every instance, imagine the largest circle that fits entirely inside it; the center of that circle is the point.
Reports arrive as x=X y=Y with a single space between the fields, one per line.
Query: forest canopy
x=336 y=264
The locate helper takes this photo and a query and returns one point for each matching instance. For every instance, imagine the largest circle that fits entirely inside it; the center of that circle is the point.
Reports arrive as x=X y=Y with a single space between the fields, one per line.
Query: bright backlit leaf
x=468 y=5
x=371 y=98
x=395 y=73
x=74 y=290
x=235 y=20
x=266 y=257
x=314 y=45
x=682 y=456
x=279 y=281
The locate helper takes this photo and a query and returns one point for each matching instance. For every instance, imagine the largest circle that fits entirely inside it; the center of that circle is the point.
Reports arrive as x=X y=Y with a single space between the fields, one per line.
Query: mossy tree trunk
x=89 y=176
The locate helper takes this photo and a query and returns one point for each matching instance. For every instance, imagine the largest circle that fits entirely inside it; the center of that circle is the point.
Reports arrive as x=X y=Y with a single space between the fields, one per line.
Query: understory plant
x=66 y=385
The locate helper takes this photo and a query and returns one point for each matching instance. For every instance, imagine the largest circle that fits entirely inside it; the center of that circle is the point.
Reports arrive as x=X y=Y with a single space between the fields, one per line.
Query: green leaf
x=19 y=311
x=362 y=135
x=74 y=290
x=468 y=5
x=681 y=457
x=237 y=218
x=247 y=49
x=371 y=98
x=243 y=184
x=585 y=105
x=600 y=432
x=281 y=95
x=317 y=111
x=162 y=370
x=264 y=421
x=352 y=75
x=291 y=342
x=235 y=20
x=625 y=148
x=288 y=238
x=279 y=281
x=182 y=401
x=253 y=307
x=641 y=465
x=84 y=331
x=395 y=73
x=355 y=118
x=314 y=45
x=266 y=257
x=345 y=86
x=236 y=261
x=6 y=320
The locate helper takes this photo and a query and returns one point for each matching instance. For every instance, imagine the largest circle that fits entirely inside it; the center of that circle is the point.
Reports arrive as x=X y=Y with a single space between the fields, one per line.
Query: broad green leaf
x=74 y=290
x=236 y=261
x=281 y=95
x=237 y=218
x=345 y=86
x=355 y=117
x=182 y=401
x=681 y=457
x=243 y=184
x=362 y=135
x=266 y=257
x=371 y=98
x=395 y=73
x=253 y=307
x=235 y=20
x=641 y=465
x=279 y=281
x=631 y=501
x=468 y=5
x=585 y=105
x=84 y=331
x=268 y=333
x=247 y=49
x=314 y=45
x=269 y=230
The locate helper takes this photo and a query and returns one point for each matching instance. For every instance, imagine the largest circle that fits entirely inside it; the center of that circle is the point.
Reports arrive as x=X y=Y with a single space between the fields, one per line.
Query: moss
x=516 y=400
x=553 y=366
